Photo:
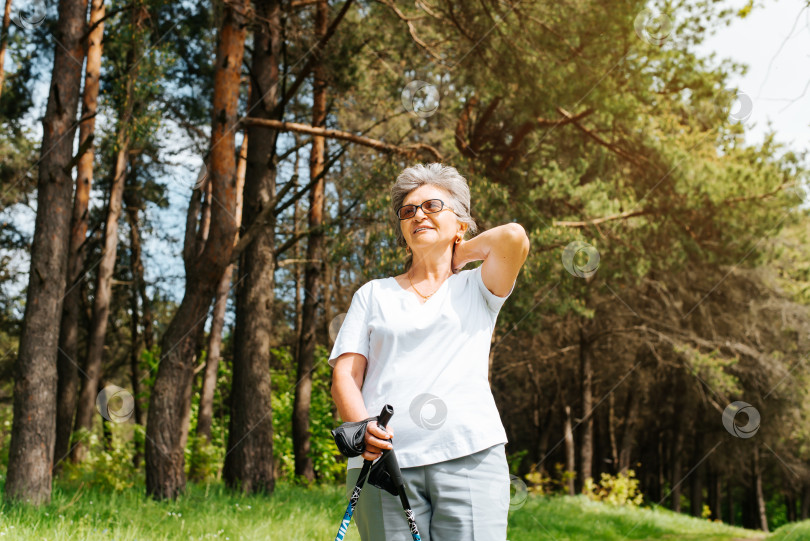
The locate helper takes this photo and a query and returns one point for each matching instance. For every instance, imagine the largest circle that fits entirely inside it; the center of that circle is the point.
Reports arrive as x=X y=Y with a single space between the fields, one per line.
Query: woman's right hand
x=377 y=440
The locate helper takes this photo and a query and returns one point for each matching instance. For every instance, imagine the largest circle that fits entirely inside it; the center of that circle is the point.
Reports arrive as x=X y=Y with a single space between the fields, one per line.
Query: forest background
x=658 y=331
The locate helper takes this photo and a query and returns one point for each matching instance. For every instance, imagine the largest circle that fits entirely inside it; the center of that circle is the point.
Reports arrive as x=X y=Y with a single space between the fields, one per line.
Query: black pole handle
x=393 y=469
x=385 y=416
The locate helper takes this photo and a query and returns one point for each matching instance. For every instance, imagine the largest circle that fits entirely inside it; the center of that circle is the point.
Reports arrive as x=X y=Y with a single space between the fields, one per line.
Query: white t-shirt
x=430 y=362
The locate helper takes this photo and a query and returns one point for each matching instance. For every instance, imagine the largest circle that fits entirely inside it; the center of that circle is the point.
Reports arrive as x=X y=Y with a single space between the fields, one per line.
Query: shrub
x=203 y=459
x=108 y=464
x=618 y=490
x=542 y=484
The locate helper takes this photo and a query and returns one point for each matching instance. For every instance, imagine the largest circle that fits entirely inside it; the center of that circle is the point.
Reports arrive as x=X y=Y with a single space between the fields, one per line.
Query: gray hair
x=441 y=176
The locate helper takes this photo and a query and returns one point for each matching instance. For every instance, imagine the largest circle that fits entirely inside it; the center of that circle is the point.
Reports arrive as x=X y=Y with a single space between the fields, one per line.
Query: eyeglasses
x=431 y=206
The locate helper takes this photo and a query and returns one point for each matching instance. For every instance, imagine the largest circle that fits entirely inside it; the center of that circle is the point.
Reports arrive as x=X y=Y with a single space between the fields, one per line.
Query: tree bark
x=133 y=206
x=67 y=366
x=4 y=41
x=33 y=431
x=170 y=401
x=805 y=510
x=629 y=432
x=249 y=460
x=568 y=435
x=326 y=271
x=696 y=478
x=337 y=285
x=715 y=494
x=206 y=413
x=660 y=465
x=730 y=502
x=312 y=274
x=586 y=375
x=538 y=402
x=297 y=275
x=103 y=292
x=676 y=479
x=762 y=517
x=676 y=453
x=611 y=428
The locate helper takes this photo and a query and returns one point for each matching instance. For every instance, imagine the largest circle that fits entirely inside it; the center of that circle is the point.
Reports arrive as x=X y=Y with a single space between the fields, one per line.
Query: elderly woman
x=420 y=341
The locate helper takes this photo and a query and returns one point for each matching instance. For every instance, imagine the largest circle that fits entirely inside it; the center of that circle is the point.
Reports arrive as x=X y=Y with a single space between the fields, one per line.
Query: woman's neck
x=432 y=269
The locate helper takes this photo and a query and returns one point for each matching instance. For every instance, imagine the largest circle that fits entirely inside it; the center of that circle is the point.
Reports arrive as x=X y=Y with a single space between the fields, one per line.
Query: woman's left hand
x=458 y=257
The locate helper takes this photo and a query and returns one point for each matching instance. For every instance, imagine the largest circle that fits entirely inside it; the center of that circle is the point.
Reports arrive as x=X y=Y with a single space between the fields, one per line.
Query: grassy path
x=297 y=513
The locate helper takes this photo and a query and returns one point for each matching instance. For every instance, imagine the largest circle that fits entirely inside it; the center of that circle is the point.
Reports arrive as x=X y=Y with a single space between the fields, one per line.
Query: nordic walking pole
x=392 y=466
x=382 y=420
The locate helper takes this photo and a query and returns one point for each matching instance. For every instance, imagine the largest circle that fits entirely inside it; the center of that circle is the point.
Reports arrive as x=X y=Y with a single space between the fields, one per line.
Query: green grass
x=579 y=518
x=798 y=531
x=294 y=512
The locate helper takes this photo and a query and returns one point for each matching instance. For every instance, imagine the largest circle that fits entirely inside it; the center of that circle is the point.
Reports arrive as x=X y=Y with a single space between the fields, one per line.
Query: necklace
x=417 y=291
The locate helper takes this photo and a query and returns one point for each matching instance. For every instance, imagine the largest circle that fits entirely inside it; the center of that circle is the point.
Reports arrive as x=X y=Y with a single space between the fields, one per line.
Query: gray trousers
x=464 y=499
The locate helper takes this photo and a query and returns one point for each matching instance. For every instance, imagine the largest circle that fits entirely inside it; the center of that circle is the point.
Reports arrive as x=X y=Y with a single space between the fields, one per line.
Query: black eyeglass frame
x=419 y=206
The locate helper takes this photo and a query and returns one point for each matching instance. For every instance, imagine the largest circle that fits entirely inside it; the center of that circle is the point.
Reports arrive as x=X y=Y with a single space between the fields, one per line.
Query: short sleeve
x=493 y=301
x=353 y=336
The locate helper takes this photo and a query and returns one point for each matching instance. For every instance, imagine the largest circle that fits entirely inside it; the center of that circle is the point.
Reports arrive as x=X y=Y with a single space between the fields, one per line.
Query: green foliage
x=151 y=360
x=620 y=489
x=545 y=485
x=203 y=459
x=706 y=512
x=514 y=460
x=791 y=259
x=108 y=464
x=6 y=414
x=712 y=367
x=539 y=483
x=328 y=463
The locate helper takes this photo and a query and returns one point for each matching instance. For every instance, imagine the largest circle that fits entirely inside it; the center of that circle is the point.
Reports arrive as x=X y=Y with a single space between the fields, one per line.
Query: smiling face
x=424 y=230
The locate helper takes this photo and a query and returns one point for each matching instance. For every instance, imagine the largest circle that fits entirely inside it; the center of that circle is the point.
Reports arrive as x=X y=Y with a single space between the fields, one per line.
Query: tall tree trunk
x=629 y=432
x=326 y=288
x=805 y=509
x=297 y=275
x=133 y=206
x=4 y=41
x=696 y=478
x=761 y=514
x=206 y=413
x=611 y=421
x=170 y=401
x=715 y=494
x=544 y=435
x=750 y=520
x=586 y=375
x=570 y=466
x=730 y=502
x=538 y=403
x=660 y=469
x=677 y=460
x=249 y=460
x=68 y=381
x=312 y=274
x=338 y=286
x=33 y=432
x=103 y=292
x=676 y=453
